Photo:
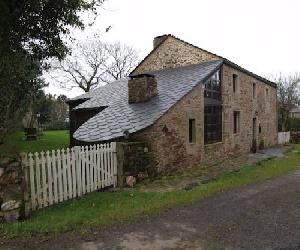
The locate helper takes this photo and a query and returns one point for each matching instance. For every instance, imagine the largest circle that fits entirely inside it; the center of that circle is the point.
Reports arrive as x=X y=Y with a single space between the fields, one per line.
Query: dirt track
x=258 y=216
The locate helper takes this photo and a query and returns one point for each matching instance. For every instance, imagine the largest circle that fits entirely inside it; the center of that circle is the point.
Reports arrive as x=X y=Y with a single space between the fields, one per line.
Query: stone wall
x=263 y=107
x=173 y=53
x=168 y=137
x=12 y=189
x=135 y=161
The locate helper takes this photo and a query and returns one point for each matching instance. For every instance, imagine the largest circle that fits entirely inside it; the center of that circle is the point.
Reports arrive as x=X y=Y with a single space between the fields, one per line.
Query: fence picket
x=87 y=169
x=78 y=168
x=49 y=178
x=59 y=172
x=54 y=169
x=44 y=180
x=73 y=172
x=38 y=194
x=64 y=170
x=101 y=165
x=109 y=164
x=83 y=173
x=95 y=168
x=91 y=153
x=69 y=173
x=32 y=186
x=98 y=166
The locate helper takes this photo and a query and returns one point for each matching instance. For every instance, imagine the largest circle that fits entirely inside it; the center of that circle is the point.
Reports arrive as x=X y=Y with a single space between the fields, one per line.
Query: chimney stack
x=157 y=40
x=141 y=88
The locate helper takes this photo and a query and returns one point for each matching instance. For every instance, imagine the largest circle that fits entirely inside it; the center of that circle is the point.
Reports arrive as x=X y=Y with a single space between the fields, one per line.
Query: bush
x=294 y=124
x=57 y=126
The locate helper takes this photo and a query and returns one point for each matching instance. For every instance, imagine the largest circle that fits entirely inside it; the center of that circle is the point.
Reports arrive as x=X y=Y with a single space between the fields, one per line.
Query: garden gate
x=60 y=175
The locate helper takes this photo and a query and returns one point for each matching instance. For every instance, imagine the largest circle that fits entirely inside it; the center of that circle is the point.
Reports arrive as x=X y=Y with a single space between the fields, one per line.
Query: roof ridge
x=185 y=66
x=228 y=62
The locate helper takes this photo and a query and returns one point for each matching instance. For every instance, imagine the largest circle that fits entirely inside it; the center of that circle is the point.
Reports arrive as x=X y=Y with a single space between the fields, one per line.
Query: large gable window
x=213 y=110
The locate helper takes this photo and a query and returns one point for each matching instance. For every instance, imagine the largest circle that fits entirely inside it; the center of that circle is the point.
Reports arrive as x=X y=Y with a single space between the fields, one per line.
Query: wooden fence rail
x=64 y=174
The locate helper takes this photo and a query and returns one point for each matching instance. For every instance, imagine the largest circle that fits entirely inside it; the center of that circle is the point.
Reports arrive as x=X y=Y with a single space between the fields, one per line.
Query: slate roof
x=119 y=115
x=225 y=60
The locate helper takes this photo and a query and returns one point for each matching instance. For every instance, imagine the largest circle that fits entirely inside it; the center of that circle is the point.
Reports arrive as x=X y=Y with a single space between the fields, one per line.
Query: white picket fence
x=64 y=174
x=284 y=137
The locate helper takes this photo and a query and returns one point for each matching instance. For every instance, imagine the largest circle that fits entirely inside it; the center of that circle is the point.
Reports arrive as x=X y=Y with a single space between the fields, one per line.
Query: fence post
x=24 y=184
x=120 y=163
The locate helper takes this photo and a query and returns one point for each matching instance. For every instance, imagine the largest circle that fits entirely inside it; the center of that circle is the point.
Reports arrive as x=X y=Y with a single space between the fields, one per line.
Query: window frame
x=234 y=83
x=254 y=90
x=192 y=130
x=236 y=122
x=213 y=110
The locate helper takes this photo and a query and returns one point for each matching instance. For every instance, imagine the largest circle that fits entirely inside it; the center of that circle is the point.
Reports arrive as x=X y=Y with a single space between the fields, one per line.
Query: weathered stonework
x=141 y=88
x=12 y=186
x=173 y=53
x=168 y=137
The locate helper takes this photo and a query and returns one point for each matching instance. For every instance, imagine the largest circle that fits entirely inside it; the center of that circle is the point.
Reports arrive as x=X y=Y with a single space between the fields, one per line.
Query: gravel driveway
x=257 y=216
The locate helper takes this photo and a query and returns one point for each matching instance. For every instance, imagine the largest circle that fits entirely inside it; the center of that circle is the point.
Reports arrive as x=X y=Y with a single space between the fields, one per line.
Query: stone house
x=191 y=107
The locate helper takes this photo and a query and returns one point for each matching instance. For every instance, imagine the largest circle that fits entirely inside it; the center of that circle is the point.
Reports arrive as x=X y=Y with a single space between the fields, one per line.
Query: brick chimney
x=141 y=88
x=157 y=40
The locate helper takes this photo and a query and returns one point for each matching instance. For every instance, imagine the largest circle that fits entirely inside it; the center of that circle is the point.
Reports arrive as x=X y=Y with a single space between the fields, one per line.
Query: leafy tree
x=288 y=96
x=30 y=32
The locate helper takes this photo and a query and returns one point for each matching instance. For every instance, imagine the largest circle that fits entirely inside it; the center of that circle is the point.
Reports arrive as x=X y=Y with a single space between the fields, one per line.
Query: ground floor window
x=212 y=124
x=192 y=131
x=236 y=122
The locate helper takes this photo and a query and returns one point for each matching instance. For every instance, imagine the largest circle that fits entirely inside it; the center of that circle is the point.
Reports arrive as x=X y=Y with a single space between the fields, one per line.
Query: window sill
x=213 y=144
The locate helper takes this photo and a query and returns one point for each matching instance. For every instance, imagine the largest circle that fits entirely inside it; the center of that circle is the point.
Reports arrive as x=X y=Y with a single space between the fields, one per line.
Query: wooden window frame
x=234 y=83
x=254 y=90
x=213 y=113
x=192 y=130
x=236 y=122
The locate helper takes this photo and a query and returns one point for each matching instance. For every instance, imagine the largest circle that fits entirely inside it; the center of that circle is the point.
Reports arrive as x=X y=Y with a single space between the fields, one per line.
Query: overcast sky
x=261 y=35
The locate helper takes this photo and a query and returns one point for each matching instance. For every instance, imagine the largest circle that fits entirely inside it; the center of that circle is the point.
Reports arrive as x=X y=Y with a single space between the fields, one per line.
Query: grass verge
x=104 y=208
x=49 y=140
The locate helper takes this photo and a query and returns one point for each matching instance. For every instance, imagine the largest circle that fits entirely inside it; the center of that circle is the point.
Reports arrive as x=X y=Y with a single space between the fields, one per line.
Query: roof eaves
x=68 y=101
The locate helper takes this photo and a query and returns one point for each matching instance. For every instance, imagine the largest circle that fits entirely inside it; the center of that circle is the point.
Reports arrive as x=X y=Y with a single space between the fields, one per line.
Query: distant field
x=50 y=140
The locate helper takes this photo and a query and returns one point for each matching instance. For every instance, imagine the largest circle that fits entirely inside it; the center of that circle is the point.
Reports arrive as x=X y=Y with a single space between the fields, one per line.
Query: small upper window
x=192 y=131
x=267 y=94
x=254 y=90
x=236 y=122
x=234 y=82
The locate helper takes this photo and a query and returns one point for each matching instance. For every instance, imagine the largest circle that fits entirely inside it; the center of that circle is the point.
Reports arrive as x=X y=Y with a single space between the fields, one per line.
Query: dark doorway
x=254 y=136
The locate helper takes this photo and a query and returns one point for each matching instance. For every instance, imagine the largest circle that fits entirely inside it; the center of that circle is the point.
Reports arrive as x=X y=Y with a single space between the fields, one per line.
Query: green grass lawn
x=105 y=208
x=50 y=140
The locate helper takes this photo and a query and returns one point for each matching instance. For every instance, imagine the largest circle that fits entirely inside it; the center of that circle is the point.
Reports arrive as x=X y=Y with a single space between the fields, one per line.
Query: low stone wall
x=12 y=187
x=134 y=162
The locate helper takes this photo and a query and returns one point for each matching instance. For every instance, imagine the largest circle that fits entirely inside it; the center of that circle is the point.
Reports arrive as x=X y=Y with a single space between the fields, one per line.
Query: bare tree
x=93 y=63
x=122 y=60
x=84 y=68
x=288 y=94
